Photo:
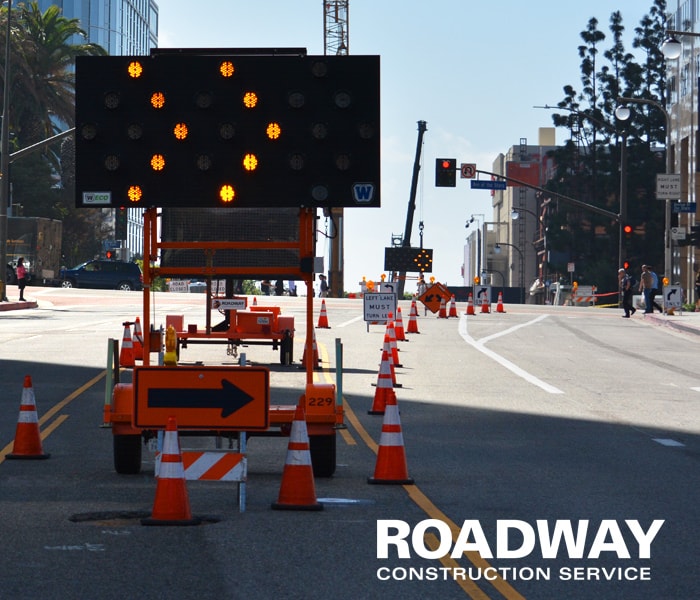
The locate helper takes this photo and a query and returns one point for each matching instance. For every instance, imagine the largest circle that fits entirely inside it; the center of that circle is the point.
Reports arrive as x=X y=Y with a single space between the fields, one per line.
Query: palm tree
x=43 y=80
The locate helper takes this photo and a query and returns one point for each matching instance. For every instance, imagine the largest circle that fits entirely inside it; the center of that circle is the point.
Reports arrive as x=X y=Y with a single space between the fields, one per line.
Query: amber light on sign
x=134 y=193
x=157 y=162
x=226 y=68
x=158 y=100
x=250 y=162
x=227 y=193
x=273 y=131
x=135 y=69
x=180 y=131
x=250 y=99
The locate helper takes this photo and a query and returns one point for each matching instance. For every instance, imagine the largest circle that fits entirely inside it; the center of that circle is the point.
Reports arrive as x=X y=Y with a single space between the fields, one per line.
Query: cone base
x=374 y=480
x=27 y=456
x=171 y=522
x=282 y=506
x=376 y=412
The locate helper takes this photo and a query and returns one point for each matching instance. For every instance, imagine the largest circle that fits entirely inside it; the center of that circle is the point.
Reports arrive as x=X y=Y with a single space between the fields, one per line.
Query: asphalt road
x=556 y=416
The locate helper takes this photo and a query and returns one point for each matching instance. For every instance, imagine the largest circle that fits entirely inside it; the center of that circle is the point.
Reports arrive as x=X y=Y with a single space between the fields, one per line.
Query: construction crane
x=336 y=43
x=406 y=242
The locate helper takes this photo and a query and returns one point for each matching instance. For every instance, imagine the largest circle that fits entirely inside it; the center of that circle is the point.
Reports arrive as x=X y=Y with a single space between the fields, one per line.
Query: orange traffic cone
x=126 y=355
x=391 y=457
x=392 y=340
x=486 y=305
x=316 y=361
x=138 y=340
x=453 y=307
x=27 y=443
x=255 y=300
x=323 y=317
x=297 y=491
x=172 y=504
x=499 y=306
x=413 y=319
x=443 y=309
x=470 y=304
x=398 y=326
x=385 y=386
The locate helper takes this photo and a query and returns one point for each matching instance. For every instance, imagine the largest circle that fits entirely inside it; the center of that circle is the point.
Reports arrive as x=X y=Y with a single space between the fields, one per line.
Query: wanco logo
x=519 y=539
x=363 y=193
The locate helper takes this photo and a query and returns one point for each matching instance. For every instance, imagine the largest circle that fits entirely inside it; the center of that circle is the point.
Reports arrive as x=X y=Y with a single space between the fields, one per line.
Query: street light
x=497 y=249
x=623 y=113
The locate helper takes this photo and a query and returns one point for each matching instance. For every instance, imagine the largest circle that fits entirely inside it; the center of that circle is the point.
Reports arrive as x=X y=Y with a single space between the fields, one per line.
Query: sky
x=472 y=69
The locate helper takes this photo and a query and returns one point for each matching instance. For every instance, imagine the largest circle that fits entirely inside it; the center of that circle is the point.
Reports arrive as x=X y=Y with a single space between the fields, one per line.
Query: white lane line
x=668 y=442
x=479 y=345
x=358 y=318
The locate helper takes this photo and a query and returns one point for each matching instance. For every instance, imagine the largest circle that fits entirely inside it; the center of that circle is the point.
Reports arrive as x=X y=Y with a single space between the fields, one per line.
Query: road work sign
x=434 y=295
x=230 y=398
x=378 y=306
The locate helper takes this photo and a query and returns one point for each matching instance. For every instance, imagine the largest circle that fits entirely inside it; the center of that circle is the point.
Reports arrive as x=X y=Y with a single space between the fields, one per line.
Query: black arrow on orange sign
x=229 y=398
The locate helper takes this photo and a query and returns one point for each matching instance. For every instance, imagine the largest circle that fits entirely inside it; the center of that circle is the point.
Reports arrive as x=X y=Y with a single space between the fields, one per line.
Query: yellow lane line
x=414 y=492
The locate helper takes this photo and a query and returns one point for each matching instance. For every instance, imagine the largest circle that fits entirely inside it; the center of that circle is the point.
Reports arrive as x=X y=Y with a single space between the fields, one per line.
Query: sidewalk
x=687 y=322
x=17 y=305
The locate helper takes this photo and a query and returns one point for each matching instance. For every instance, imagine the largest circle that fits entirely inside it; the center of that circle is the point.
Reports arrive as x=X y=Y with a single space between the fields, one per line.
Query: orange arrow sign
x=230 y=398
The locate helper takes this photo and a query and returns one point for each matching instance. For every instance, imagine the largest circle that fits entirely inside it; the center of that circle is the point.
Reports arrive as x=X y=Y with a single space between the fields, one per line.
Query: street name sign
x=487 y=184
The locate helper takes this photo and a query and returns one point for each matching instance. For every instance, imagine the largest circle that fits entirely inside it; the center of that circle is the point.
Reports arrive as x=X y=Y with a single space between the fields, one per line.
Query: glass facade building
x=122 y=27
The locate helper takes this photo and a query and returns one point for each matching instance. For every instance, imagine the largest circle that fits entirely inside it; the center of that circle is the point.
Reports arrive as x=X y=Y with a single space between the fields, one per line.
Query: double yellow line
x=427 y=506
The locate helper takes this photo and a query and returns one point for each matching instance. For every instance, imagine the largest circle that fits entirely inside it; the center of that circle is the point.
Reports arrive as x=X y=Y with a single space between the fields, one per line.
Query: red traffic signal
x=445 y=172
x=628 y=229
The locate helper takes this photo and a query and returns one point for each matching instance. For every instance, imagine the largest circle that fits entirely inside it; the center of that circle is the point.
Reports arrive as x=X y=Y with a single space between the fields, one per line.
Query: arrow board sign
x=226 y=398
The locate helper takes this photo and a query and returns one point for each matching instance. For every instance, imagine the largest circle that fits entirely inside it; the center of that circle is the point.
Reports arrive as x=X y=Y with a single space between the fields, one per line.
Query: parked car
x=104 y=274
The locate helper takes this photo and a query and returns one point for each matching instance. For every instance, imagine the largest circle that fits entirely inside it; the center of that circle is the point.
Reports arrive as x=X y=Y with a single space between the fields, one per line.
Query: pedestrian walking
x=21 y=278
x=627 y=290
x=323 y=287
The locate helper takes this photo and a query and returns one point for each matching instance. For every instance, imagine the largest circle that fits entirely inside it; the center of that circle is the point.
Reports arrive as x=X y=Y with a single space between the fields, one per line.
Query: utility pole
x=5 y=160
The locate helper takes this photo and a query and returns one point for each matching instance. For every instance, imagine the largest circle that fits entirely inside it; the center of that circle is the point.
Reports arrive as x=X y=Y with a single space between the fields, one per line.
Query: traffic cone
x=499 y=305
x=470 y=304
x=413 y=319
x=255 y=300
x=398 y=326
x=443 y=309
x=172 y=504
x=385 y=386
x=297 y=491
x=316 y=360
x=453 y=307
x=323 y=317
x=391 y=456
x=126 y=354
x=27 y=444
x=485 y=305
x=392 y=340
x=138 y=340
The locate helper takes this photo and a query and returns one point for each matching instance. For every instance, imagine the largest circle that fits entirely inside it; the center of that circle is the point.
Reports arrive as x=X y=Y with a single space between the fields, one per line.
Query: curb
x=4 y=306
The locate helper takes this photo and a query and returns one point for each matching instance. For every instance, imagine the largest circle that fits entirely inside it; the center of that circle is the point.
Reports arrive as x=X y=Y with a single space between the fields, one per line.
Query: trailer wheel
x=322 y=449
x=287 y=350
x=127 y=454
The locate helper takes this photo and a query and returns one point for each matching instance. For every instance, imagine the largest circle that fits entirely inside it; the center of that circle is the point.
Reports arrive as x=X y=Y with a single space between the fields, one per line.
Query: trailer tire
x=127 y=454
x=322 y=450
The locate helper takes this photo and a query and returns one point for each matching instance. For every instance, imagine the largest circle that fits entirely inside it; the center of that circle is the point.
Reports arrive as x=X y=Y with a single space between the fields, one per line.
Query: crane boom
x=406 y=242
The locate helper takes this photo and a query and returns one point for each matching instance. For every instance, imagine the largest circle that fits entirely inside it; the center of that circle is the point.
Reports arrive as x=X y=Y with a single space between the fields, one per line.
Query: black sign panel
x=405 y=259
x=216 y=130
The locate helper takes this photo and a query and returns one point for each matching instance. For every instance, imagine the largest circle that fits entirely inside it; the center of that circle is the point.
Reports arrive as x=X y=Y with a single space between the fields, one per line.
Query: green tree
x=588 y=165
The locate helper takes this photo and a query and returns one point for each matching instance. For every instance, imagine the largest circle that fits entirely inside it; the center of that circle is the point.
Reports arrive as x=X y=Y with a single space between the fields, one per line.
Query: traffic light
x=445 y=172
x=695 y=235
x=120 y=223
x=109 y=255
x=626 y=265
x=628 y=231
x=181 y=129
